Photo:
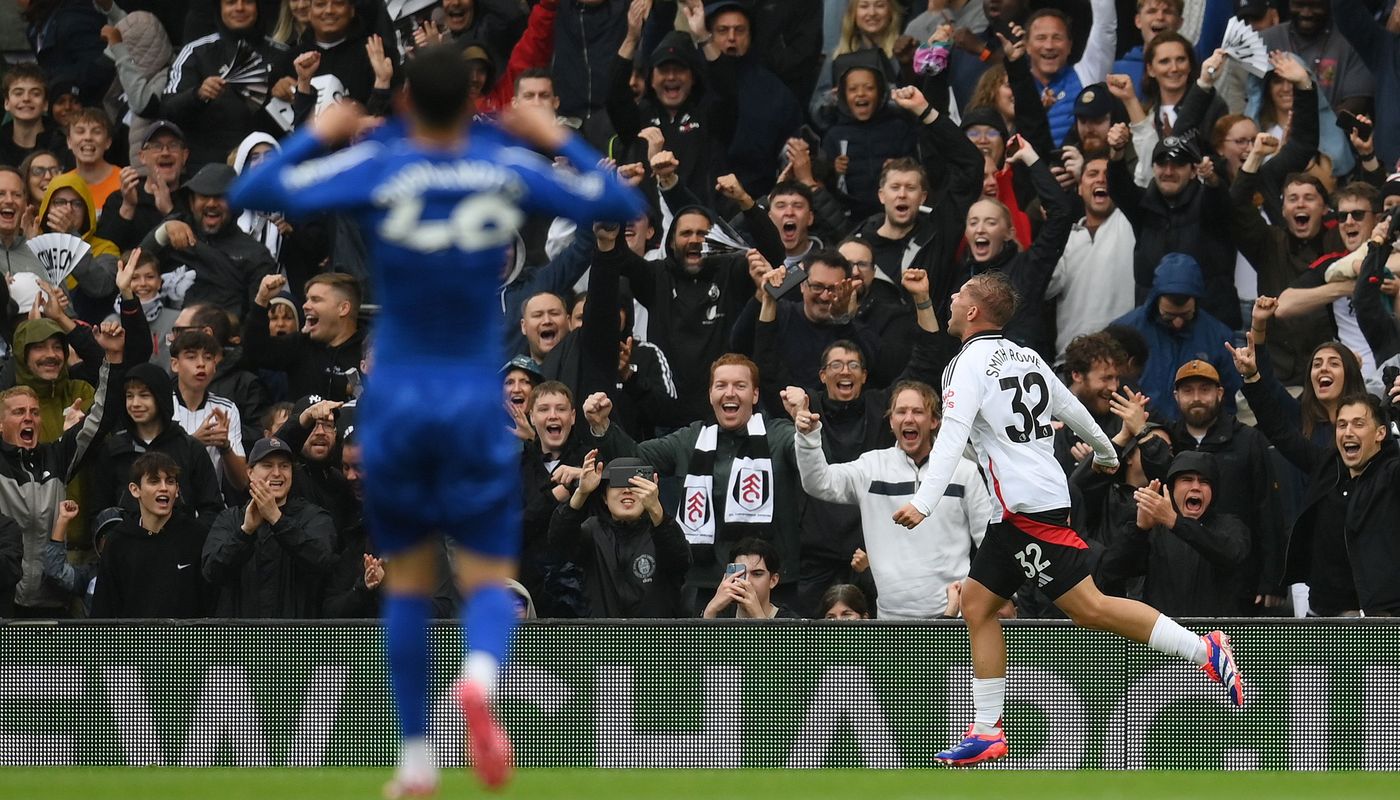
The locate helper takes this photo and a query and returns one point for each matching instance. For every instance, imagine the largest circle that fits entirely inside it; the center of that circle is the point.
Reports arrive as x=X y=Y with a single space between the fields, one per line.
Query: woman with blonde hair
x=866 y=25
x=870 y=23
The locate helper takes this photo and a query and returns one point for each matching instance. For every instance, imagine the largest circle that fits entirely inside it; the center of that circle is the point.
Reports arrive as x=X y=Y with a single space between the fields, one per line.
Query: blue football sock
x=488 y=618
x=406 y=644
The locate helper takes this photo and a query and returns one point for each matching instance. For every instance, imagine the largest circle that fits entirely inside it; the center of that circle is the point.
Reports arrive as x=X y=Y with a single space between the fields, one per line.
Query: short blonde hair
x=18 y=391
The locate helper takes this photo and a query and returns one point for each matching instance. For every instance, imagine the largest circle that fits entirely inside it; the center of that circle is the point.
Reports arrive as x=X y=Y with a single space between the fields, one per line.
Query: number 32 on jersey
x=1031 y=425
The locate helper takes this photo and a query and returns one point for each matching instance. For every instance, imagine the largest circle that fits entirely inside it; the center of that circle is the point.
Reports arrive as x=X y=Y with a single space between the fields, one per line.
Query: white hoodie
x=912 y=568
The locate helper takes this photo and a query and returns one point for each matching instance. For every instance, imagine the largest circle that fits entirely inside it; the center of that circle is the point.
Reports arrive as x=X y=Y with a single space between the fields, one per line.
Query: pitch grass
x=81 y=783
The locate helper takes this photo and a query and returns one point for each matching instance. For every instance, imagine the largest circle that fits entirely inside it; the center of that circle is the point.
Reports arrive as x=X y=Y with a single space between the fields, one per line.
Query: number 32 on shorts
x=1032 y=561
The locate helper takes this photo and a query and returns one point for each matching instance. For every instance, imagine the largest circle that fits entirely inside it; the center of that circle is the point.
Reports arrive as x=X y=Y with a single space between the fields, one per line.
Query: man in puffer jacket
x=139 y=46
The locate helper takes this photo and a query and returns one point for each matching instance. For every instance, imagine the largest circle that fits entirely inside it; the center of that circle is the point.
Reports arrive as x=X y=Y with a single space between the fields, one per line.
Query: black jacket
x=67 y=43
x=1195 y=222
x=798 y=343
x=1252 y=497
x=153 y=575
x=11 y=561
x=586 y=38
x=347 y=597
x=696 y=133
x=890 y=133
x=1190 y=569
x=349 y=63
x=279 y=571
x=587 y=359
x=692 y=315
x=1280 y=259
x=631 y=570
x=234 y=379
x=955 y=168
x=767 y=114
x=1030 y=270
x=214 y=128
x=199 y=487
x=320 y=483
x=228 y=265
x=312 y=367
x=832 y=531
x=126 y=234
x=1372 y=501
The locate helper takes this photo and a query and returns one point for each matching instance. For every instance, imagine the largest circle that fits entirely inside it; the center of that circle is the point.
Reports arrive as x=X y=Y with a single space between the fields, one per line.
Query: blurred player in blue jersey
x=439 y=203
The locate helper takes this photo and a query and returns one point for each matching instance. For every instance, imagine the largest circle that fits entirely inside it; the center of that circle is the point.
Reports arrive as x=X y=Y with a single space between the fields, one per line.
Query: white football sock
x=988 y=699
x=1170 y=638
x=483 y=669
x=416 y=761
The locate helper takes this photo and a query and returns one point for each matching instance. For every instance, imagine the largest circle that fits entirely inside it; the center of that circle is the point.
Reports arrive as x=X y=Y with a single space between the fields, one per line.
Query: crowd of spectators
x=719 y=404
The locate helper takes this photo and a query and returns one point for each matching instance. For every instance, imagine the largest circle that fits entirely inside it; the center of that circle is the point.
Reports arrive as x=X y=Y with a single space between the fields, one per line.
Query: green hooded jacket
x=55 y=395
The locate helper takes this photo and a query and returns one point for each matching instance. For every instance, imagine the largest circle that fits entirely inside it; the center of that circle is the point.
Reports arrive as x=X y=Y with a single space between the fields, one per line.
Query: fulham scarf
x=749 y=495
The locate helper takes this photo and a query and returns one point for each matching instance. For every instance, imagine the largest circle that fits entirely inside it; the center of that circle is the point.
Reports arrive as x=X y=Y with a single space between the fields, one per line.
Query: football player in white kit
x=1003 y=397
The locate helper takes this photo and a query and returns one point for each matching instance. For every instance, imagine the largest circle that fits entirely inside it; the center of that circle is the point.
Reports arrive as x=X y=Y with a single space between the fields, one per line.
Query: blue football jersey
x=438 y=225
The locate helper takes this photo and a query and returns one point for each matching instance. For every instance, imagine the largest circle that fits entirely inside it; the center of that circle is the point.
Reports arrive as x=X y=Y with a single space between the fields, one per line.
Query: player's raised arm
x=585 y=193
x=304 y=177
x=1067 y=408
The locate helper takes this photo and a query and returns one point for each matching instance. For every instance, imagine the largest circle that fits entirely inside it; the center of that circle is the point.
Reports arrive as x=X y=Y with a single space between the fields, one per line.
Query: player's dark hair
x=1088 y=349
x=438 y=86
x=151 y=465
x=848 y=595
x=996 y=298
x=754 y=546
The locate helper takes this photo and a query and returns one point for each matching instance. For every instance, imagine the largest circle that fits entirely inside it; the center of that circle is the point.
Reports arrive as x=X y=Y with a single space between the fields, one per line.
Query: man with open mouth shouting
x=1189 y=550
x=34 y=473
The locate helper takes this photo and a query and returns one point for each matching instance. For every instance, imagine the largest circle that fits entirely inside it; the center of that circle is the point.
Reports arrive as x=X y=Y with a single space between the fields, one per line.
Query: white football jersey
x=1002 y=396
